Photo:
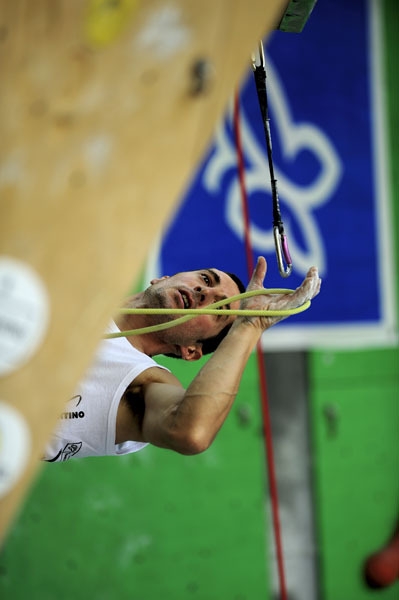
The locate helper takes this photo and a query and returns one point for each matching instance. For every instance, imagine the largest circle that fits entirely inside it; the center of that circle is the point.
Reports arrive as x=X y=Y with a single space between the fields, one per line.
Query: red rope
x=261 y=365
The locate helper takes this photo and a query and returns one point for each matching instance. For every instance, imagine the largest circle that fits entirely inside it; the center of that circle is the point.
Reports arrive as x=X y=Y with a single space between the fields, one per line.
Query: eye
x=206 y=278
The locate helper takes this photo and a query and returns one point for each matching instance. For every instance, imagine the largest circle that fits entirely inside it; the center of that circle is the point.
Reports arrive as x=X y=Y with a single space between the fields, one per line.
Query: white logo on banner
x=301 y=200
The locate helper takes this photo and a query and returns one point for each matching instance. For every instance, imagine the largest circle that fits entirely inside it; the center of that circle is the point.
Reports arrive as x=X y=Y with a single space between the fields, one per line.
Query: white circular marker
x=14 y=447
x=24 y=313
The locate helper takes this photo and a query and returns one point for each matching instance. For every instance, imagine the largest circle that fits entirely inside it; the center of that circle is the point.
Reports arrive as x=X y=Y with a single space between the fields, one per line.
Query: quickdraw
x=280 y=239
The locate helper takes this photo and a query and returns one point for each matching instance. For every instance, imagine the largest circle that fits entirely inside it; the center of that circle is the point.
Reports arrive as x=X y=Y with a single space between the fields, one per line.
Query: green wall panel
x=151 y=525
x=355 y=422
x=355 y=418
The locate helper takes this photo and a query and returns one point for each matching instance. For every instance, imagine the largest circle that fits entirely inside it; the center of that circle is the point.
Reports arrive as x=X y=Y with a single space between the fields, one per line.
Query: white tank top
x=87 y=427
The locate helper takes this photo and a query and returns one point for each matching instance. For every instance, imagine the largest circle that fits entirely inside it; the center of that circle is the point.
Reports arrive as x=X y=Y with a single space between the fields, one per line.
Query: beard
x=159 y=296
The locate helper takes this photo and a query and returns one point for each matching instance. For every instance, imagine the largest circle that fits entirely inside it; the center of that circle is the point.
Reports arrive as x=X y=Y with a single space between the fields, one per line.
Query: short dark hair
x=238 y=282
x=209 y=345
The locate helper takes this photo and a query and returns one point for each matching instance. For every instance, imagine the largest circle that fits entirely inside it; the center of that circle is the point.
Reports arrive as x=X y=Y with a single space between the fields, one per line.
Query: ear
x=191 y=353
x=157 y=280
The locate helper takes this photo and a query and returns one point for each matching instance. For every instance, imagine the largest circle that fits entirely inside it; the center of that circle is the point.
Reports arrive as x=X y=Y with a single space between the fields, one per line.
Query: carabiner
x=258 y=57
x=282 y=252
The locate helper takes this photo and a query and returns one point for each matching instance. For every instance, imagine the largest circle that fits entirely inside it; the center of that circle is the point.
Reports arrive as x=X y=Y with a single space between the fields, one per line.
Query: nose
x=203 y=295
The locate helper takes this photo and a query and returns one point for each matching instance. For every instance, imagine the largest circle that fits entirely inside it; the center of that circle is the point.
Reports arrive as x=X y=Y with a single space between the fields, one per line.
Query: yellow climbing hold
x=107 y=19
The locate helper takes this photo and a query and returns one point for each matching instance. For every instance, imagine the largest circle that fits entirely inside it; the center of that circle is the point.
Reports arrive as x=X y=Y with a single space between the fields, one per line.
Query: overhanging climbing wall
x=103 y=117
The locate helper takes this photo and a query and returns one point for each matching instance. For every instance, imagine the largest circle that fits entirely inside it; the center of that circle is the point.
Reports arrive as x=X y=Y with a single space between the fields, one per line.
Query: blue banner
x=327 y=125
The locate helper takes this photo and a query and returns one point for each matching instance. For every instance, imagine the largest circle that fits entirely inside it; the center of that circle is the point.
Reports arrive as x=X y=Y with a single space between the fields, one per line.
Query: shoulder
x=155 y=375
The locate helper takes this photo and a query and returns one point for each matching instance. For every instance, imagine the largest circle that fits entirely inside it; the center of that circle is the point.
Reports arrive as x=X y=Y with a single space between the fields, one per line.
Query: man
x=127 y=400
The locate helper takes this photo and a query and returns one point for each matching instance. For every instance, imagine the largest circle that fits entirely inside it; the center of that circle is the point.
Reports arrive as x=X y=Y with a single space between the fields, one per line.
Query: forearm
x=209 y=398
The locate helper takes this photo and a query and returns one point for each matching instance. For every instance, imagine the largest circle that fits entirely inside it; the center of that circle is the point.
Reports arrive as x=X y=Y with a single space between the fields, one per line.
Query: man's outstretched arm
x=187 y=421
